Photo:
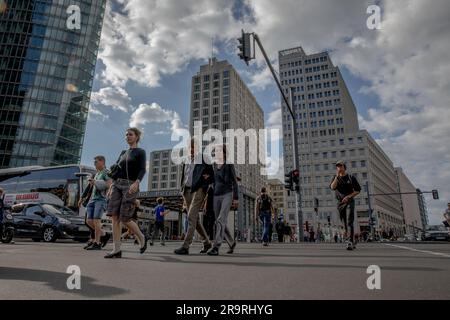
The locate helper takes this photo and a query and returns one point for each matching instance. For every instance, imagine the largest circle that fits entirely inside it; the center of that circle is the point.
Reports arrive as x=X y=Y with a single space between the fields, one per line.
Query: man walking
x=196 y=176
x=97 y=204
x=264 y=211
x=347 y=188
x=447 y=216
x=280 y=230
x=159 y=221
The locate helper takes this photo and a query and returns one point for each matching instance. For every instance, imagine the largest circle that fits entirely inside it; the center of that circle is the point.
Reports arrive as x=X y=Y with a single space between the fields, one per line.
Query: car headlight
x=64 y=221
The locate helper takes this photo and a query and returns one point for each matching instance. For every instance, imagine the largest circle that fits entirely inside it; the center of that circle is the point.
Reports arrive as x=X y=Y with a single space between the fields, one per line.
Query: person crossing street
x=346 y=188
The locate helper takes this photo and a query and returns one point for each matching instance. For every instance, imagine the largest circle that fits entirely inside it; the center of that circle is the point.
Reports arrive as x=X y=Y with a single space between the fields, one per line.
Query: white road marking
x=422 y=251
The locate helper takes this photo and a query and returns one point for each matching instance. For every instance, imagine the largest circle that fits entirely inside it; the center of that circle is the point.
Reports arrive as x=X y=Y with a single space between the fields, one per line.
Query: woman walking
x=225 y=198
x=127 y=173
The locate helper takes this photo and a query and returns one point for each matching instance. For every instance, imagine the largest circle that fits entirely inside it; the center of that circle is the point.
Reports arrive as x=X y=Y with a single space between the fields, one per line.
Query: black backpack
x=265 y=202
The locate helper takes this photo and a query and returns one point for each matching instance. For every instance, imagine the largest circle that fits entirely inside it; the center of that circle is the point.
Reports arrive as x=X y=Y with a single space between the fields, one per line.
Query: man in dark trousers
x=347 y=188
x=280 y=229
x=196 y=176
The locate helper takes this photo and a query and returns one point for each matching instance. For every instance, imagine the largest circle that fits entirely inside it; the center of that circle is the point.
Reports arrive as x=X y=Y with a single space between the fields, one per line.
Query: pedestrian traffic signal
x=245 y=47
x=435 y=194
x=288 y=182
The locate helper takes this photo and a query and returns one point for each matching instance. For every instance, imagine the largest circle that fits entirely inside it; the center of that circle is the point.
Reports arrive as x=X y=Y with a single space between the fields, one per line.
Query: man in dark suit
x=196 y=176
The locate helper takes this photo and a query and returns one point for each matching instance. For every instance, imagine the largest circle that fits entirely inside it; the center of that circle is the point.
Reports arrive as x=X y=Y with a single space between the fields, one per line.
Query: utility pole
x=246 y=55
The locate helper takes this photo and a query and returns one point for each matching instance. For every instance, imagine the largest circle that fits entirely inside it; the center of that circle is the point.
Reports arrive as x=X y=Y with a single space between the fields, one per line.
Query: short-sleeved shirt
x=158 y=213
x=346 y=185
x=97 y=194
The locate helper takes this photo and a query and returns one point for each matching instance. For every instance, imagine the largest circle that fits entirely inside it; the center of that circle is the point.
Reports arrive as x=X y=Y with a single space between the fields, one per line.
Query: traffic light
x=435 y=194
x=288 y=183
x=245 y=47
x=296 y=179
x=316 y=204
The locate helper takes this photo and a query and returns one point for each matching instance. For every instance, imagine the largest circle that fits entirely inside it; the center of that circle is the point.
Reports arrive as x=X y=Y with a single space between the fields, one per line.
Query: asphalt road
x=31 y=270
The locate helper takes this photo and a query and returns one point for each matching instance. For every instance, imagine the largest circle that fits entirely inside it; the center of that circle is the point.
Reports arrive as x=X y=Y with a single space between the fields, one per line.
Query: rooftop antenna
x=212 y=50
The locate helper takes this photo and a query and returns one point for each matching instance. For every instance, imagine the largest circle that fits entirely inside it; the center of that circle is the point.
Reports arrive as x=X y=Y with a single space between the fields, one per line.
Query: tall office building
x=423 y=208
x=328 y=131
x=410 y=203
x=164 y=175
x=46 y=72
x=221 y=100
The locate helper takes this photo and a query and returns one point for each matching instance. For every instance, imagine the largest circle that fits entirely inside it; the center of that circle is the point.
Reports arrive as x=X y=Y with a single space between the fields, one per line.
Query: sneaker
x=181 y=251
x=213 y=252
x=349 y=246
x=104 y=239
x=206 y=247
x=88 y=244
x=95 y=246
x=265 y=244
x=232 y=248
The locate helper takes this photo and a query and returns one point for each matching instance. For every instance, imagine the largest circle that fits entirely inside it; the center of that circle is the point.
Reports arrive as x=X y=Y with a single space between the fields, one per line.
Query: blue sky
x=150 y=50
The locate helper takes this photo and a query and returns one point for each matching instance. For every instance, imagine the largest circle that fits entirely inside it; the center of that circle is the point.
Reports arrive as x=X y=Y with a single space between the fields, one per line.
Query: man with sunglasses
x=347 y=188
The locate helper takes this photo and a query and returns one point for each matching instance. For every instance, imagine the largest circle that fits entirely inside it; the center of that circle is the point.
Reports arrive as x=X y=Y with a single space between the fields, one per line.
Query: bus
x=66 y=182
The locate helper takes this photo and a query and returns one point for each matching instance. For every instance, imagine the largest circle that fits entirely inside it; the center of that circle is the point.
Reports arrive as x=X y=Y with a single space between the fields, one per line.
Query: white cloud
x=150 y=38
x=95 y=114
x=154 y=113
x=114 y=97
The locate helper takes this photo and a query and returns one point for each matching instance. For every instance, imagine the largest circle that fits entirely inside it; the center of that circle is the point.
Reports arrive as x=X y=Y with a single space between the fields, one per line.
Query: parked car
x=48 y=222
x=437 y=232
x=7 y=228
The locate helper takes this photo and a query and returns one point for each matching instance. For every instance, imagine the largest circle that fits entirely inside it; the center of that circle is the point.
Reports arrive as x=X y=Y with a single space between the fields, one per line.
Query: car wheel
x=49 y=234
x=7 y=236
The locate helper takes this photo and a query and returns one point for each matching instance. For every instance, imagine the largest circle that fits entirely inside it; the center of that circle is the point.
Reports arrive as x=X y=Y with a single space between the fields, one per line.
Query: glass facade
x=46 y=75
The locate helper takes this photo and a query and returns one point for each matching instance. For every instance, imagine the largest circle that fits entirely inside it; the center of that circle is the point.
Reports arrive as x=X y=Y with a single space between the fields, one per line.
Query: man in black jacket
x=196 y=176
x=347 y=188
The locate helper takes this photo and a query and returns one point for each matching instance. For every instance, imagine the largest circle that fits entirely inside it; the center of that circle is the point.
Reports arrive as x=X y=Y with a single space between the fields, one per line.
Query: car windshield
x=436 y=228
x=54 y=209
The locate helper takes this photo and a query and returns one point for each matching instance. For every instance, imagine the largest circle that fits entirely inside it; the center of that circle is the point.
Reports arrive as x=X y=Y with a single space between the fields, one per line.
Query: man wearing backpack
x=347 y=188
x=264 y=211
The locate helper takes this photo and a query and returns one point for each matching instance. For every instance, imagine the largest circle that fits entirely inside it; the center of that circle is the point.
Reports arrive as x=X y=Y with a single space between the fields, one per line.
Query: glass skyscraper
x=46 y=75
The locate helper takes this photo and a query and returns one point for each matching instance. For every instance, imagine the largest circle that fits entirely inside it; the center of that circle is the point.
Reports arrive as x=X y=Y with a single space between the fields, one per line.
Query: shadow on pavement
x=175 y=259
x=57 y=281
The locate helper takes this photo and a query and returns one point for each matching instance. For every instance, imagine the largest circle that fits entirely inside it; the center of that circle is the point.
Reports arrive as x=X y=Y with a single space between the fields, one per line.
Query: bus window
x=29 y=182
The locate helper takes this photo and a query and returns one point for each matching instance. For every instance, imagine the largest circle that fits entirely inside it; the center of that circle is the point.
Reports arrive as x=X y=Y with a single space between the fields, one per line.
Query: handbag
x=115 y=169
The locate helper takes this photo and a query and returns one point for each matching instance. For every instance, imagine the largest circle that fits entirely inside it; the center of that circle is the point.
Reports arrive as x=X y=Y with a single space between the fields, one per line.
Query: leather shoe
x=206 y=247
x=181 y=251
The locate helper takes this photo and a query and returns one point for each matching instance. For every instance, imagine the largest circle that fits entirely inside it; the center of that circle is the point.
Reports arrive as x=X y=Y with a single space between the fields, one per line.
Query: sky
x=398 y=75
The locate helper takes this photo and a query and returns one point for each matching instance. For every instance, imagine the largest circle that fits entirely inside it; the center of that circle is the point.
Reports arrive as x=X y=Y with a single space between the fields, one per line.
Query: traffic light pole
x=371 y=222
x=296 y=166
x=294 y=128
